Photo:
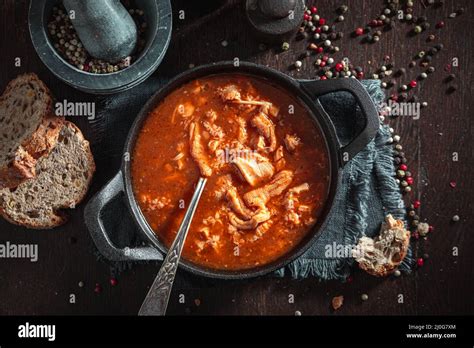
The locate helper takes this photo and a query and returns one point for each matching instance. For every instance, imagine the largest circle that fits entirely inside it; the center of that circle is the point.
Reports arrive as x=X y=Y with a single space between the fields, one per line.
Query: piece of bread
x=383 y=254
x=62 y=180
x=28 y=128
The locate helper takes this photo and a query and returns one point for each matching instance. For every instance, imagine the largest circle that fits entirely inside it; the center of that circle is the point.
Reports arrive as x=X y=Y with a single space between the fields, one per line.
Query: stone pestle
x=105 y=28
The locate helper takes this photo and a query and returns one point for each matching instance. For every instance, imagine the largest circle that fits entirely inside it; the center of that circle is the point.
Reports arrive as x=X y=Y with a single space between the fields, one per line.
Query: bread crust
x=60 y=217
x=385 y=269
x=22 y=164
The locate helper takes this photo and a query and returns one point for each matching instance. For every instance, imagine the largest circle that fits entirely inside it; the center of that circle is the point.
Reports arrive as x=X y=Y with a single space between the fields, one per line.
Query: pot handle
x=92 y=216
x=317 y=88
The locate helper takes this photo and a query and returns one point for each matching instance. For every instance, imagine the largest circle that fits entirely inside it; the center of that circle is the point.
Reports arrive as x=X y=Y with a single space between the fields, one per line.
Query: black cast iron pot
x=307 y=91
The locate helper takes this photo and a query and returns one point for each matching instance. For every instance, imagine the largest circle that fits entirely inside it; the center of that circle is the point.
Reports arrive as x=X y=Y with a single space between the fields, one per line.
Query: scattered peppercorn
x=364 y=297
x=343 y=9
x=452 y=88
x=98 y=288
x=359 y=31
x=420 y=262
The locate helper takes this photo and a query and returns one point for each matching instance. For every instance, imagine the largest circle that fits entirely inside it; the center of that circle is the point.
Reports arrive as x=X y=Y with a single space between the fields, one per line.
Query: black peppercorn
x=422 y=19
x=450 y=77
x=452 y=88
x=302 y=35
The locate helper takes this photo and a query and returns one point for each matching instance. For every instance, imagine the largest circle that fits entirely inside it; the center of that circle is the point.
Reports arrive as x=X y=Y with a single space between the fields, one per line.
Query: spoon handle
x=156 y=300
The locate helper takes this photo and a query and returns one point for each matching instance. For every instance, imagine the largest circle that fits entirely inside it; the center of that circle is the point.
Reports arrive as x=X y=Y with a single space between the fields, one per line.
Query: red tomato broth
x=163 y=188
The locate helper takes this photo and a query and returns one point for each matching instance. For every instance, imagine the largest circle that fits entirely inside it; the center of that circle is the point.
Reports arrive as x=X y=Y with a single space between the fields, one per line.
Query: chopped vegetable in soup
x=265 y=159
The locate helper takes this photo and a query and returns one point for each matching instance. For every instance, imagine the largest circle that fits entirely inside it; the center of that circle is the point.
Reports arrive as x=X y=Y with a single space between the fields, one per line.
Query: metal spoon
x=156 y=301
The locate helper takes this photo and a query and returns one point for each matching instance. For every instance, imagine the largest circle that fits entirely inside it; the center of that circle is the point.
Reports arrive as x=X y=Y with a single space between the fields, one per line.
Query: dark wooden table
x=443 y=286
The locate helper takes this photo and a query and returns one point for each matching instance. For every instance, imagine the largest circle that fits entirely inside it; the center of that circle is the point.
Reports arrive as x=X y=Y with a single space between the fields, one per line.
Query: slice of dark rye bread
x=62 y=180
x=28 y=128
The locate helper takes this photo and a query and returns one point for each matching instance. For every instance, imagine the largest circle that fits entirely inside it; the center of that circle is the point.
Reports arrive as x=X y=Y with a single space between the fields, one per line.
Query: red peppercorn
x=359 y=31
x=413 y=83
x=320 y=49
x=97 y=288
x=306 y=17
x=360 y=75
x=394 y=97
x=416 y=204
x=420 y=262
x=324 y=77
x=314 y=9
x=322 y=64
x=339 y=67
x=431 y=228
x=322 y=21
x=403 y=167
x=452 y=184
x=325 y=58
x=409 y=180
x=440 y=25
x=318 y=30
x=113 y=281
